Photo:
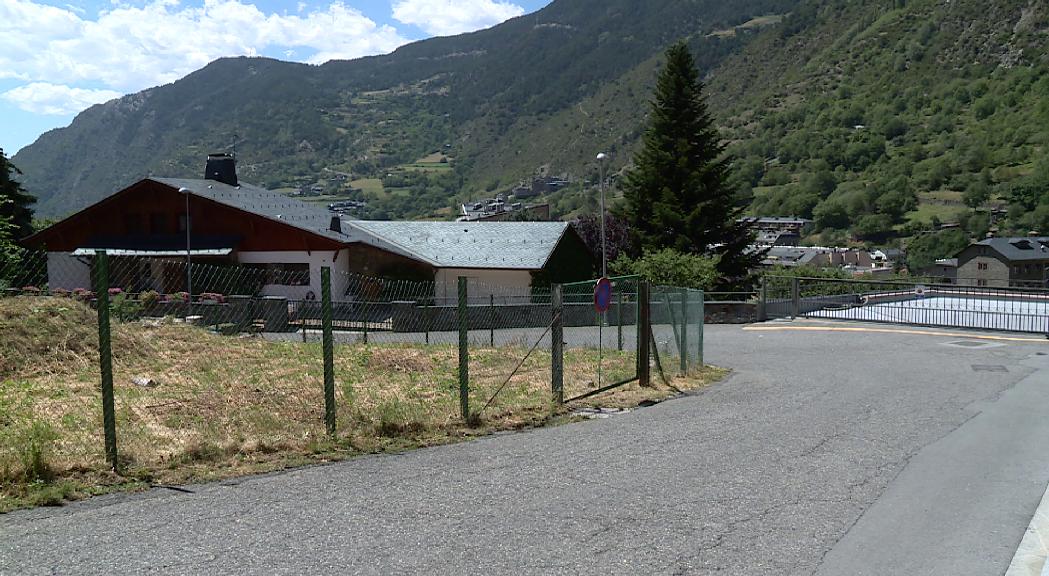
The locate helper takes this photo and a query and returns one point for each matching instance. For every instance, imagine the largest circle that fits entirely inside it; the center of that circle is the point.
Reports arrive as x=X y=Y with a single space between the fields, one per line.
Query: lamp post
x=601 y=186
x=189 y=274
x=604 y=269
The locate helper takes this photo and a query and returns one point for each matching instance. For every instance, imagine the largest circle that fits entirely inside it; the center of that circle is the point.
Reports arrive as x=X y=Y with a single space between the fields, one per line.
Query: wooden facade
x=151 y=211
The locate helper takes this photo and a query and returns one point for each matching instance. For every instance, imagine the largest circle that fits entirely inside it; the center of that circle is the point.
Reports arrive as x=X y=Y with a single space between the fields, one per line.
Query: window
x=981 y=282
x=981 y=266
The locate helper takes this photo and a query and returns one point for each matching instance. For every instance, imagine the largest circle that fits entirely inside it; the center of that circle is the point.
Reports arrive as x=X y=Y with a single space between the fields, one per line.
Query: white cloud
x=447 y=17
x=55 y=99
x=131 y=47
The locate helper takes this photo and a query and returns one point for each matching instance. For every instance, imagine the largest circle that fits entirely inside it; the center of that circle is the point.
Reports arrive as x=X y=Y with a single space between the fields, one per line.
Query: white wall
x=67 y=271
x=338 y=261
x=506 y=285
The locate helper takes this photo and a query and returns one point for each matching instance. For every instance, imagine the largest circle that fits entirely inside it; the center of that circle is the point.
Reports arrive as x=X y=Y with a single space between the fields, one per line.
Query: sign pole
x=602 y=300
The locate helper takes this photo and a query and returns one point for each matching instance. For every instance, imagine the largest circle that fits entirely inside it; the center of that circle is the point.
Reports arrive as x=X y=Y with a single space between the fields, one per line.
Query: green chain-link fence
x=111 y=359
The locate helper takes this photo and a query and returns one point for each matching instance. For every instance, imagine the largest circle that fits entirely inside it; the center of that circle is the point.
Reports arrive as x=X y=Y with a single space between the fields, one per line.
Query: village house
x=231 y=223
x=1004 y=262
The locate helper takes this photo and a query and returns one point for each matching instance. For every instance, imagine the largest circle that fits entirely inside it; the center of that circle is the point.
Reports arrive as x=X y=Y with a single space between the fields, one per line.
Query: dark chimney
x=222 y=168
x=336 y=224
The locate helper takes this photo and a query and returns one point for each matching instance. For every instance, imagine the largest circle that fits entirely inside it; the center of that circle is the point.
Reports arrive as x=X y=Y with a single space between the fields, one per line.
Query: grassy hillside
x=884 y=118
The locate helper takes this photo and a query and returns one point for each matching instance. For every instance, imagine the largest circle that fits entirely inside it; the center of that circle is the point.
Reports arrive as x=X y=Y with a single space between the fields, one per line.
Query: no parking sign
x=602 y=294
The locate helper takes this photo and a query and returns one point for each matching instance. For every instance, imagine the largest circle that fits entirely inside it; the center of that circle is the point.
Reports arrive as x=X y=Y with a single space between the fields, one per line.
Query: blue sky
x=59 y=57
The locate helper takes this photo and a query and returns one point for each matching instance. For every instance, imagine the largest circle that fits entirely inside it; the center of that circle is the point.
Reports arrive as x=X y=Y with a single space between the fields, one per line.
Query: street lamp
x=189 y=275
x=601 y=186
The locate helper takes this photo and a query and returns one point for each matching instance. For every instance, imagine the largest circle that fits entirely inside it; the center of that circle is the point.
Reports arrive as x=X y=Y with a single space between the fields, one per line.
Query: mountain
x=881 y=120
x=477 y=92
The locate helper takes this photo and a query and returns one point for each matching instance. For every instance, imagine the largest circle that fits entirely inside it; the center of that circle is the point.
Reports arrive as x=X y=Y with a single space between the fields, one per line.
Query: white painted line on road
x=1030 y=557
x=891 y=331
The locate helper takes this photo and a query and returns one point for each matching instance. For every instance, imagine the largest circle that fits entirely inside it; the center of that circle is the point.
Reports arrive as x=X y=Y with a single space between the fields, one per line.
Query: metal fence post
x=701 y=321
x=491 y=318
x=464 y=351
x=763 y=313
x=644 y=335
x=428 y=318
x=619 y=321
x=364 y=318
x=105 y=356
x=329 y=352
x=795 y=297
x=557 y=343
x=683 y=344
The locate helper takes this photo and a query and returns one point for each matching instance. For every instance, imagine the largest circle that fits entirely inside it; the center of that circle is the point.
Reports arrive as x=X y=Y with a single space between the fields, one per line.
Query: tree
x=923 y=251
x=617 y=237
x=678 y=194
x=672 y=268
x=14 y=201
x=977 y=194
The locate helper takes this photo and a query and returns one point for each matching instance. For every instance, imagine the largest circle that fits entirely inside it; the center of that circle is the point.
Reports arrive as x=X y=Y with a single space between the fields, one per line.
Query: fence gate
x=601 y=349
x=914 y=303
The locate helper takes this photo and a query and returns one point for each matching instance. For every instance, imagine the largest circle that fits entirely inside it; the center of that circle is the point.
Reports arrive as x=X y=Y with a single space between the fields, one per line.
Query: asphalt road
x=825 y=452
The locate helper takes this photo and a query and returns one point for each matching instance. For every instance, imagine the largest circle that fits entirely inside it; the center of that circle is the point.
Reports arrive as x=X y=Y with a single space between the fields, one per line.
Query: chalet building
x=143 y=229
x=776 y=231
x=1003 y=262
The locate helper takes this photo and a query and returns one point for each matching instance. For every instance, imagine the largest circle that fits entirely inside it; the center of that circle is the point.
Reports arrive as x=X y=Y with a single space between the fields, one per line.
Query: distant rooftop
x=1020 y=248
x=507 y=245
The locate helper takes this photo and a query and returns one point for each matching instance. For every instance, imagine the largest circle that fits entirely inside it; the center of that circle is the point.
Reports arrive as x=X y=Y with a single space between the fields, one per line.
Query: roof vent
x=221 y=168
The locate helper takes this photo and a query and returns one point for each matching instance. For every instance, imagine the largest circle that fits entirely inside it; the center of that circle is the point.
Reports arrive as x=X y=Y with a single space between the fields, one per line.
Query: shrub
x=35 y=444
x=212 y=297
x=149 y=298
x=124 y=308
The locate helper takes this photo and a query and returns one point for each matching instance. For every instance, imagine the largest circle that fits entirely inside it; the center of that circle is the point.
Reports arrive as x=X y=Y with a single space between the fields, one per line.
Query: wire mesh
x=509 y=328
x=920 y=302
x=600 y=348
x=49 y=399
x=216 y=372
x=678 y=315
x=215 y=361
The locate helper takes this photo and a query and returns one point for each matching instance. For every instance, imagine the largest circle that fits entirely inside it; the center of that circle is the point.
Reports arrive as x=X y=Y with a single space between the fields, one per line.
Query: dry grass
x=225 y=406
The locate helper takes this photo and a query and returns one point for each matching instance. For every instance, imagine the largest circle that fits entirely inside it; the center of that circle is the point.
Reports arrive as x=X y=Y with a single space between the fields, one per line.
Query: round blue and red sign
x=602 y=294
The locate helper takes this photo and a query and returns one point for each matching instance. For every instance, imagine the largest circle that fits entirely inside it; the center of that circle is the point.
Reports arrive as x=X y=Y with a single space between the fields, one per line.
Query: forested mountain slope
x=476 y=92
x=880 y=120
x=883 y=118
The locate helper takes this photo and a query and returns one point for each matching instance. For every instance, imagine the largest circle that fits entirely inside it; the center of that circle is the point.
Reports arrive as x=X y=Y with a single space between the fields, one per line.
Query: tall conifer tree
x=677 y=194
x=14 y=201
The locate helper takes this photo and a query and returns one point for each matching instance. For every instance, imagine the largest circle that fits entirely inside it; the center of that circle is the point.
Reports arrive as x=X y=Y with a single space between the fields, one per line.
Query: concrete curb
x=1030 y=557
